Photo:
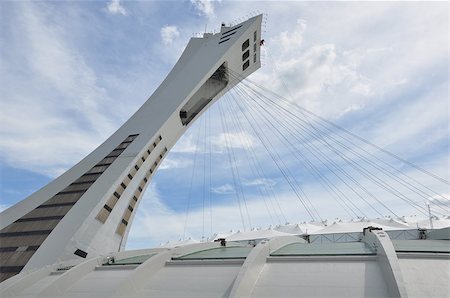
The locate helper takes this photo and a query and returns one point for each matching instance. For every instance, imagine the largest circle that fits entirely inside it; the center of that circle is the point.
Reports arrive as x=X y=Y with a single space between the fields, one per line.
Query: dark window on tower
x=254 y=47
x=81 y=253
x=254 y=58
x=107 y=208
x=245 y=65
x=245 y=45
x=224 y=40
x=254 y=36
x=245 y=55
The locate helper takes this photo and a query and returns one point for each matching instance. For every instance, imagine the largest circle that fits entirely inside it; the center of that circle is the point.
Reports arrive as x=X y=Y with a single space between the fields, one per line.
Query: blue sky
x=72 y=72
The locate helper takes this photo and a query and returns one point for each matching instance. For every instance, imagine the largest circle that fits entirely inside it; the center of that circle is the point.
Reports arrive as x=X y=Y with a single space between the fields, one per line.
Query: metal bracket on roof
x=222 y=241
x=422 y=234
x=306 y=237
x=370 y=229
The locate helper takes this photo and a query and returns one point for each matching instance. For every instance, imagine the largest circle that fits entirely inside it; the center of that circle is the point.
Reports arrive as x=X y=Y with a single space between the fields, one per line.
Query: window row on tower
x=246 y=51
x=121 y=227
x=104 y=213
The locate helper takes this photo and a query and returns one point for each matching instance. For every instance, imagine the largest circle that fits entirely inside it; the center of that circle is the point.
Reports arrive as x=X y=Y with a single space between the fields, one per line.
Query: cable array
x=298 y=148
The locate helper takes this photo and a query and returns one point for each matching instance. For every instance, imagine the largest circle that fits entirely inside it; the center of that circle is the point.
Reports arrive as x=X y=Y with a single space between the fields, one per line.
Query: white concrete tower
x=88 y=210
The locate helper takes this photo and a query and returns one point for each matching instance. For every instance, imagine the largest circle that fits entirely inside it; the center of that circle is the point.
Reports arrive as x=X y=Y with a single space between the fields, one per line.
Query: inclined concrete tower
x=88 y=210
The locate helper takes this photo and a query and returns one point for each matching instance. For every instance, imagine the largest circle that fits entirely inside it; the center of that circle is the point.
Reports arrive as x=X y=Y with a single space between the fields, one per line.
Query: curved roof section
x=416 y=265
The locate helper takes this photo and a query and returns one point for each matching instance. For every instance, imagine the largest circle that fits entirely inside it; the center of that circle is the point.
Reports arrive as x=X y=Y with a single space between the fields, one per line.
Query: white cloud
x=54 y=104
x=242 y=140
x=290 y=41
x=259 y=181
x=175 y=163
x=155 y=220
x=186 y=144
x=441 y=200
x=426 y=115
x=204 y=7
x=114 y=7
x=223 y=189
x=314 y=75
x=169 y=34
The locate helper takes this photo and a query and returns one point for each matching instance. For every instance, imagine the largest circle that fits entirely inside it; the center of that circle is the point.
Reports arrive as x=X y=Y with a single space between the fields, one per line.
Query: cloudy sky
x=72 y=72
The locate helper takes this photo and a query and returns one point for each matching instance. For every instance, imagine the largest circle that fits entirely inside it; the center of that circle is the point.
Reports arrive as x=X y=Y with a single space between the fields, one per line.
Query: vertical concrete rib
x=58 y=287
x=254 y=264
x=133 y=284
x=387 y=258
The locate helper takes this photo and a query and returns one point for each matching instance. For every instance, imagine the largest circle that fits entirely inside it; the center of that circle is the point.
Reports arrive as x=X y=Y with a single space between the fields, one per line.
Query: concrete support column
x=254 y=264
x=133 y=284
x=61 y=284
x=387 y=258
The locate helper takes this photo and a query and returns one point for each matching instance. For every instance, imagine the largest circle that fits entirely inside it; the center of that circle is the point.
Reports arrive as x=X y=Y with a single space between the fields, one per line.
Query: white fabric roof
x=256 y=234
x=314 y=228
x=290 y=229
x=348 y=227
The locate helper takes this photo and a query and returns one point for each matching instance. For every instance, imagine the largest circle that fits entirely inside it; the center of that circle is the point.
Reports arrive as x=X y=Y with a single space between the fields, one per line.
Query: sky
x=72 y=72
